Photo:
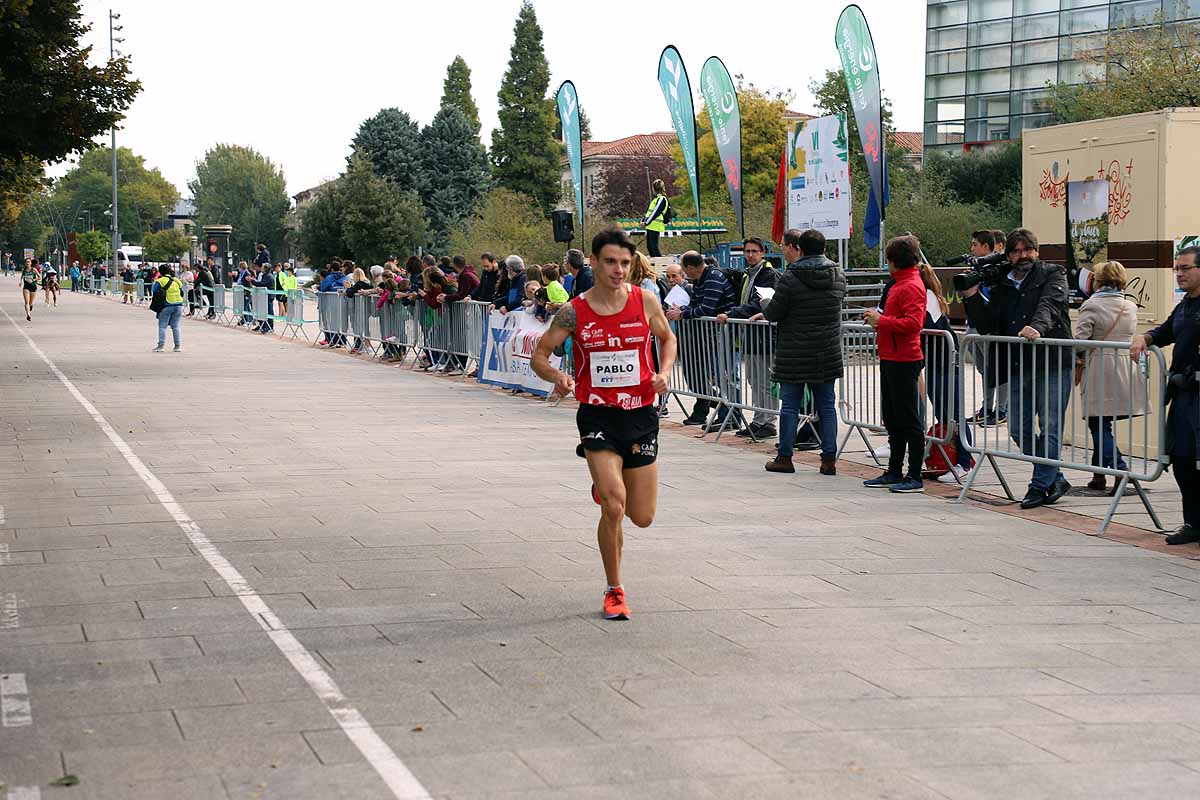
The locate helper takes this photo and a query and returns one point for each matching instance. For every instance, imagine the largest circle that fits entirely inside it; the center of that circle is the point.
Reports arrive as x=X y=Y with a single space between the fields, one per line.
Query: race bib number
x=615 y=368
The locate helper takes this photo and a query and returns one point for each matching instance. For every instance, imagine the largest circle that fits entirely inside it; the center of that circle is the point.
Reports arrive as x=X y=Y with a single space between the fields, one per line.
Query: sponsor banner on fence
x=818 y=177
x=508 y=344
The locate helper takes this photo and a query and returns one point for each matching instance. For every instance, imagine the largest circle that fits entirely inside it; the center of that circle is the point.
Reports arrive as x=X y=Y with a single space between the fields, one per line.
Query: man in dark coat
x=1031 y=302
x=807 y=310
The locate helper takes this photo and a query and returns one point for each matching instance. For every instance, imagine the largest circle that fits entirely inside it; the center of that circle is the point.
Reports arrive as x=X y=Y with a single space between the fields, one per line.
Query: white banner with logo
x=508 y=344
x=818 y=177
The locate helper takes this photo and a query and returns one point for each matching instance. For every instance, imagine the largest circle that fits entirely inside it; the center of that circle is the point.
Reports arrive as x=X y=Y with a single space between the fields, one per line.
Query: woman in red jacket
x=898 y=337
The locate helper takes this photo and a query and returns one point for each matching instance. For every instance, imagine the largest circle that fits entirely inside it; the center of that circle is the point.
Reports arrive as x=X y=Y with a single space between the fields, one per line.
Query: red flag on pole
x=779 y=223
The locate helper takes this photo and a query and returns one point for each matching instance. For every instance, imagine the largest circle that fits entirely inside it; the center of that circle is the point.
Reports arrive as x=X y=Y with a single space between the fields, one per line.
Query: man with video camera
x=1182 y=329
x=1027 y=299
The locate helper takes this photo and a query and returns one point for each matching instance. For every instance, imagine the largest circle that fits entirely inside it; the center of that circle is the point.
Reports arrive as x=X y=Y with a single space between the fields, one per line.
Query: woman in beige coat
x=1110 y=388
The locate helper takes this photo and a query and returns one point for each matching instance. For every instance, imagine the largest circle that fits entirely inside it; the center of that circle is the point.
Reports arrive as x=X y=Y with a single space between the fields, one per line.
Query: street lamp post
x=113 y=27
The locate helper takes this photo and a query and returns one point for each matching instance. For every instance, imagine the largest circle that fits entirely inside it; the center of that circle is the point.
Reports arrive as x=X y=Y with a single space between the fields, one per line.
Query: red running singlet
x=613 y=365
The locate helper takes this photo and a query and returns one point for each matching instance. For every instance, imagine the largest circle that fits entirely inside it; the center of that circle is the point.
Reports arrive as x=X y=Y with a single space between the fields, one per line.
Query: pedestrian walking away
x=167 y=303
x=31 y=276
x=616 y=386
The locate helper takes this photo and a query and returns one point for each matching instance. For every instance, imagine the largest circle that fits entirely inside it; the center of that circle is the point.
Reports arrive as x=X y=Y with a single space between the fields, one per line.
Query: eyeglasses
x=1183 y=269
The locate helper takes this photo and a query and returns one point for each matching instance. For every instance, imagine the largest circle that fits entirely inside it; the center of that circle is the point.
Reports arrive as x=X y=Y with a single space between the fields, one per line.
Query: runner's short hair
x=615 y=236
x=691 y=259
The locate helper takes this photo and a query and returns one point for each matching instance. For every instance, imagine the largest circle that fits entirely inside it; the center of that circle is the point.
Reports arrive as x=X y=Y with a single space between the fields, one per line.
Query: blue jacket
x=516 y=292
x=331 y=283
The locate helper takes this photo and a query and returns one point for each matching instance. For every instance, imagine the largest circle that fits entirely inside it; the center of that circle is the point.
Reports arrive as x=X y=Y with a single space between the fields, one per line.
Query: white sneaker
x=956 y=475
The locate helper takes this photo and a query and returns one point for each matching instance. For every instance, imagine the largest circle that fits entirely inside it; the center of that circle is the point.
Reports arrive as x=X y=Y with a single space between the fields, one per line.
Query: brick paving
x=431 y=543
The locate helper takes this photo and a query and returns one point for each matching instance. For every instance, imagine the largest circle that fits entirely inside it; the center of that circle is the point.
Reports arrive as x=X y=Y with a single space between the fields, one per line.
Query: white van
x=129 y=256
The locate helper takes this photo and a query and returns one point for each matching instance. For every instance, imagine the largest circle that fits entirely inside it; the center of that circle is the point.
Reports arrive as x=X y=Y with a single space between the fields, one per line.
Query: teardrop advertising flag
x=857 y=52
x=721 y=100
x=568 y=118
x=677 y=89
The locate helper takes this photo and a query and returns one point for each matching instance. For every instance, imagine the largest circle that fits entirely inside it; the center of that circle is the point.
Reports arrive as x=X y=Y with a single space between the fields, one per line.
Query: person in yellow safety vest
x=287 y=281
x=655 y=220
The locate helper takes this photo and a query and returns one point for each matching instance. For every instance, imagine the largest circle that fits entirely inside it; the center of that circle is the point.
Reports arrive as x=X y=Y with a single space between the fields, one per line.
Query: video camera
x=988 y=270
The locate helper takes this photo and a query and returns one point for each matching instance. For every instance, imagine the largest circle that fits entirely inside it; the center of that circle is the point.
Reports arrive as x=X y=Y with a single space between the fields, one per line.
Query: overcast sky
x=295 y=79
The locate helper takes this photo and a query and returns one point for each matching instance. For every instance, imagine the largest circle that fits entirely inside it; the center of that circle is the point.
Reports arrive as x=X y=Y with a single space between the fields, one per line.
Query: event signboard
x=818 y=177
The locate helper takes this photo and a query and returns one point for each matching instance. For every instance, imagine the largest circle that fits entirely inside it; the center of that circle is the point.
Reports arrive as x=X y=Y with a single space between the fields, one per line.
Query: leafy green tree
x=1137 y=70
x=763 y=132
x=507 y=222
x=239 y=186
x=456 y=91
x=28 y=228
x=92 y=246
x=321 y=237
x=391 y=142
x=165 y=245
x=457 y=170
x=378 y=219
x=991 y=176
x=53 y=100
x=143 y=195
x=525 y=154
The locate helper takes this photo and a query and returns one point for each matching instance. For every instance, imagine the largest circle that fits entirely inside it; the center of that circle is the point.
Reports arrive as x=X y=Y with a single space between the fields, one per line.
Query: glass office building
x=988 y=63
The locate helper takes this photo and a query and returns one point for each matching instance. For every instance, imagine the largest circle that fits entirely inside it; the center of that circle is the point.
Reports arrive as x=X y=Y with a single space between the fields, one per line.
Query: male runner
x=617 y=388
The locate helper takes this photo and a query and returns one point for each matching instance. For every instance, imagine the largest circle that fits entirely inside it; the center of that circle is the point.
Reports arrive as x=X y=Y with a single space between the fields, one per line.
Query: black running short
x=631 y=434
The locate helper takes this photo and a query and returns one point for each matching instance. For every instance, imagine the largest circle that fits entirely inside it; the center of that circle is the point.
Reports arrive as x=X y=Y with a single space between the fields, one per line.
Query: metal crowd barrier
x=1040 y=376
x=701 y=364
x=449 y=339
x=859 y=390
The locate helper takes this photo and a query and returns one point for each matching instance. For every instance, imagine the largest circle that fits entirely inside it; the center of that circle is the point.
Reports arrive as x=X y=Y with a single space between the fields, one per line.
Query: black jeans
x=652 y=244
x=898 y=402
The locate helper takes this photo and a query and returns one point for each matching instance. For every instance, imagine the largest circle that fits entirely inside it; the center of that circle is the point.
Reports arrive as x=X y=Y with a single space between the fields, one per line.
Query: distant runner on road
x=617 y=388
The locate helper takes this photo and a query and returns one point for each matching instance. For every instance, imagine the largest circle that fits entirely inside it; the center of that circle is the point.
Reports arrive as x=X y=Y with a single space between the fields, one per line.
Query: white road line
x=9 y=614
x=24 y=793
x=1 y=515
x=5 y=558
x=403 y=784
x=14 y=701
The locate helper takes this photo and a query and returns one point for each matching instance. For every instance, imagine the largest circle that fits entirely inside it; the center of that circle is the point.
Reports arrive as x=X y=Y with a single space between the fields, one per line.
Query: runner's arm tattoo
x=565 y=318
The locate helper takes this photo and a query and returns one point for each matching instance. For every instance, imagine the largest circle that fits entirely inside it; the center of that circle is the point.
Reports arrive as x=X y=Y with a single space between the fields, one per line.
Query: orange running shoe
x=614 y=604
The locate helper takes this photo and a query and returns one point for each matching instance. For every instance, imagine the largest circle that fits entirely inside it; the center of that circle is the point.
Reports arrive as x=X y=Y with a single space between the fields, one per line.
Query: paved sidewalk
x=431 y=544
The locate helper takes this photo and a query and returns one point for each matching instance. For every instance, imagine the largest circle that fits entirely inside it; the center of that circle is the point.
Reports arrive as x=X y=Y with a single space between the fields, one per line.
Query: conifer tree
x=525 y=155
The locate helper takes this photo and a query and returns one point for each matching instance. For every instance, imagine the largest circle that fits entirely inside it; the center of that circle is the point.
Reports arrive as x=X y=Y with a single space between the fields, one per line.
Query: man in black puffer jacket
x=807 y=309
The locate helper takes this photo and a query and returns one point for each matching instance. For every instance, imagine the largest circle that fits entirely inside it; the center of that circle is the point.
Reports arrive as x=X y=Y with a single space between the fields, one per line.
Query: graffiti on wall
x=1052 y=189
x=1120 y=189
